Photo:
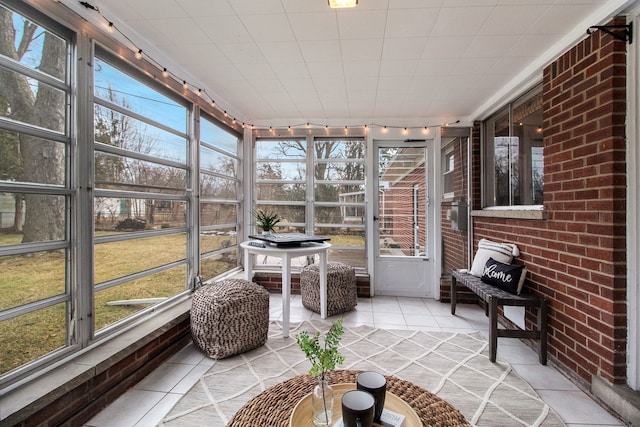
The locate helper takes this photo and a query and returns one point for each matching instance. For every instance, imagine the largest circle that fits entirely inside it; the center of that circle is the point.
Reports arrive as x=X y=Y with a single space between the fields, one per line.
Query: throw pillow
x=509 y=277
x=503 y=252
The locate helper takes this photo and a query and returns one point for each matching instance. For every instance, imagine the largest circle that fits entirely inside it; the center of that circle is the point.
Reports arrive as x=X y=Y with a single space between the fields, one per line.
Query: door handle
x=376 y=218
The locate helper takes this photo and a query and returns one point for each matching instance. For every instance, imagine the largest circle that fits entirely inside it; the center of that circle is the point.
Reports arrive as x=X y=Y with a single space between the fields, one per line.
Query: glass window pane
x=118 y=302
x=218 y=213
x=218 y=137
x=211 y=240
x=45 y=105
x=22 y=158
x=133 y=215
x=31 y=336
x=123 y=173
x=356 y=258
x=31 y=277
x=215 y=265
x=36 y=217
x=29 y=218
x=336 y=214
x=348 y=171
x=119 y=130
x=267 y=149
x=289 y=213
x=218 y=187
x=285 y=171
x=118 y=259
x=340 y=193
x=343 y=214
x=213 y=161
x=339 y=149
x=343 y=236
x=537 y=174
x=281 y=192
x=514 y=158
x=37 y=40
x=117 y=87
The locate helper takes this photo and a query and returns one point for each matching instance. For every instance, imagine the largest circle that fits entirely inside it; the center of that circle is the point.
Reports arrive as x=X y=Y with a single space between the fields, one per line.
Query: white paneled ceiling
x=397 y=62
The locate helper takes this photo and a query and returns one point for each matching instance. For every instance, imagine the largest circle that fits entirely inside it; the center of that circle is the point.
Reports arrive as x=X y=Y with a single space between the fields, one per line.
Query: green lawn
x=34 y=277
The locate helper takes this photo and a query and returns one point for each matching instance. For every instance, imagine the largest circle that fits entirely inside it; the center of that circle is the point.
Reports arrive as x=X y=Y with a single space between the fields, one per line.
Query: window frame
x=310 y=204
x=79 y=190
x=488 y=163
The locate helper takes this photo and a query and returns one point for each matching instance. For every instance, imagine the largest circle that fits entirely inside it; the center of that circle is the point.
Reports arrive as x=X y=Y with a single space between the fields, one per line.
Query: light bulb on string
x=138 y=54
x=110 y=27
x=165 y=72
x=185 y=85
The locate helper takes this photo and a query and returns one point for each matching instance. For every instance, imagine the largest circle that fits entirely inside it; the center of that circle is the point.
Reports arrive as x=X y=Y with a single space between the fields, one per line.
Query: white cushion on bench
x=502 y=252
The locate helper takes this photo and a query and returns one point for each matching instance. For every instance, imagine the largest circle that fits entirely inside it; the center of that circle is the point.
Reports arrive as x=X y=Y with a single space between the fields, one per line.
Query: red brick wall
x=113 y=377
x=273 y=283
x=455 y=242
x=577 y=257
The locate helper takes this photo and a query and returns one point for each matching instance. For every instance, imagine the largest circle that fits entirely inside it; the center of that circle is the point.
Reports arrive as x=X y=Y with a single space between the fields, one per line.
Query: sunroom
x=137 y=140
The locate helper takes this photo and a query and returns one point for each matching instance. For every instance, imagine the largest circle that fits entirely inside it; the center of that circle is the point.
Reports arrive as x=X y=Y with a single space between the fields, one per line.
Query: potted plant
x=266 y=220
x=323 y=358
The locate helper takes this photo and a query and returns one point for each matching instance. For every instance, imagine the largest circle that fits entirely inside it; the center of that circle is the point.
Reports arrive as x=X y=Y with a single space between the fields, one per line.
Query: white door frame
x=633 y=211
x=399 y=134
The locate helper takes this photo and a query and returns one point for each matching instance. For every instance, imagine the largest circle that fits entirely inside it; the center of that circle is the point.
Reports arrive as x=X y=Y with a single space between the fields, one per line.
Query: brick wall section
x=577 y=257
x=79 y=404
x=454 y=242
x=273 y=283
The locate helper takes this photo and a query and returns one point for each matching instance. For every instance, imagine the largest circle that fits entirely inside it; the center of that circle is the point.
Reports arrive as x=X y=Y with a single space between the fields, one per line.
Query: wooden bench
x=494 y=297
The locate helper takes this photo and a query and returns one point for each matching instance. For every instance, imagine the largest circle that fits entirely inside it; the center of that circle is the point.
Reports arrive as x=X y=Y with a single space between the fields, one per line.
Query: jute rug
x=454 y=366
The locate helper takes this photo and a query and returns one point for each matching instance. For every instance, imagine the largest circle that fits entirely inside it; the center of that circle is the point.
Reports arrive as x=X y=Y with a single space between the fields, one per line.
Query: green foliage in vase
x=324 y=357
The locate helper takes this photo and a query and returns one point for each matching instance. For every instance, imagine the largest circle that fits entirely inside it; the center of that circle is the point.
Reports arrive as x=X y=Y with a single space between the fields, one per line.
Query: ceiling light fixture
x=342 y=3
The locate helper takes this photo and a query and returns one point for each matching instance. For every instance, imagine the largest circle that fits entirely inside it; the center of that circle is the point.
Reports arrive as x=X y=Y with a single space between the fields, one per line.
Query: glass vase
x=322 y=403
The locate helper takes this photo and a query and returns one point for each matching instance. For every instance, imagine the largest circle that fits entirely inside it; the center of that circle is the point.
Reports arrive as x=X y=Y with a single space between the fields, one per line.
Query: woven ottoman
x=342 y=293
x=229 y=317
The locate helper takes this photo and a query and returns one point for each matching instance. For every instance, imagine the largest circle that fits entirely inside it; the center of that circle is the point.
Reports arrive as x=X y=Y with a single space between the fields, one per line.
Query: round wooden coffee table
x=273 y=407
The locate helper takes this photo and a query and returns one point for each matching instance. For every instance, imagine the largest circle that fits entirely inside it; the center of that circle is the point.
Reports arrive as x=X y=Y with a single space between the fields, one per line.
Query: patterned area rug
x=454 y=366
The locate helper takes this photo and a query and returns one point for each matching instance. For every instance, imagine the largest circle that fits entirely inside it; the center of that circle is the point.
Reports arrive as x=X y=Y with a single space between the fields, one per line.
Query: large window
x=219 y=199
x=35 y=189
x=317 y=185
x=141 y=179
x=513 y=161
x=99 y=190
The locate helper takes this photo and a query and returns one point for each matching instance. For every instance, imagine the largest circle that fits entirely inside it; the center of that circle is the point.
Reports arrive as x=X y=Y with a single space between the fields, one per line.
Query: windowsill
x=524 y=212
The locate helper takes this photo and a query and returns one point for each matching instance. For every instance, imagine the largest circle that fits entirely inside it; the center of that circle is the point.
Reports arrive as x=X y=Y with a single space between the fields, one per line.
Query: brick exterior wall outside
x=576 y=258
x=455 y=242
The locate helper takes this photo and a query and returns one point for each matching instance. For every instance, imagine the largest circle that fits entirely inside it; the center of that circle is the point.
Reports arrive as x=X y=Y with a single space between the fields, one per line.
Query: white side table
x=287 y=253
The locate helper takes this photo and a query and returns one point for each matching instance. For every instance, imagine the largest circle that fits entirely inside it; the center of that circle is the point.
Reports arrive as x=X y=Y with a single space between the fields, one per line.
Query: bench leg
x=542 y=330
x=454 y=296
x=493 y=328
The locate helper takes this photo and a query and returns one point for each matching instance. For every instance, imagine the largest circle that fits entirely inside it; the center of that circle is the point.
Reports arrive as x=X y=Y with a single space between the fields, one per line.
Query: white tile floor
x=151 y=399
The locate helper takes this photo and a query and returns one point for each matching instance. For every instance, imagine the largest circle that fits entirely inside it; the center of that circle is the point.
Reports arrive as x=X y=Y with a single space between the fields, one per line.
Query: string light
x=111 y=28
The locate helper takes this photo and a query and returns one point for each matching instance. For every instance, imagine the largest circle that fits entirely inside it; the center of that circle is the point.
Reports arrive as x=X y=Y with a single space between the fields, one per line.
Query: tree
x=43 y=161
